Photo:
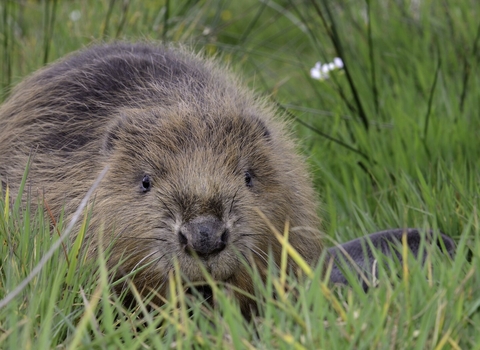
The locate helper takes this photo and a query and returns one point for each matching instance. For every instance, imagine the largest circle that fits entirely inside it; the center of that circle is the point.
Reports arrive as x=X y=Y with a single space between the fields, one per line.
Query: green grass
x=392 y=141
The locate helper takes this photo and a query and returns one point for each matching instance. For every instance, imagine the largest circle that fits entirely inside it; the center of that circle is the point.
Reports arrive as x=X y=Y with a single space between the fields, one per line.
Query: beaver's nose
x=204 y=236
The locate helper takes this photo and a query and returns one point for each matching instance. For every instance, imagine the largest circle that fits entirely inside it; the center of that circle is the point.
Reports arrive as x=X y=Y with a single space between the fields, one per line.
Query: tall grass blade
x=467 y=68
x=371 y=55
x=430 y=97
x=49 y=26
x=106 y=21
x=331 y=28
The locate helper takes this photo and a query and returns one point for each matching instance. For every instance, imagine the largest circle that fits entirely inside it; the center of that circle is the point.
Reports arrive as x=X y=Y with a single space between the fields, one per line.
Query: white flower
x=321 y=71
x=326 y=68
x=337 y=61
x=316 y=72
x=75 y=15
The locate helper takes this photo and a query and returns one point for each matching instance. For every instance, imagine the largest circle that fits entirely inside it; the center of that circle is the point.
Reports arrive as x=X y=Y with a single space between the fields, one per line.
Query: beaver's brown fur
x=191 y=155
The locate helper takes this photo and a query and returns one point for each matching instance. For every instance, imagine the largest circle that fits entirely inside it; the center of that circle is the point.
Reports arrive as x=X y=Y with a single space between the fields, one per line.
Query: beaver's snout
x=204 y=236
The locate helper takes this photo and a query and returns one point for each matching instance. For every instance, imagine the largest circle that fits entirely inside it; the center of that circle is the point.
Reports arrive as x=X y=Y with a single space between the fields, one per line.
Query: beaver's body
x=191 y=156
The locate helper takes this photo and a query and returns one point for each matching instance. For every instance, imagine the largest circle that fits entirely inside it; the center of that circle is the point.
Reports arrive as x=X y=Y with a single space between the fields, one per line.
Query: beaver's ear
x=265 y=130
x=357 y=255
x=113 y=132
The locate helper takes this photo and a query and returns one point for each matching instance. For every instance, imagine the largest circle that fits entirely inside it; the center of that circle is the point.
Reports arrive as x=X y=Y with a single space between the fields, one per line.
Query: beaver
x=193 y=156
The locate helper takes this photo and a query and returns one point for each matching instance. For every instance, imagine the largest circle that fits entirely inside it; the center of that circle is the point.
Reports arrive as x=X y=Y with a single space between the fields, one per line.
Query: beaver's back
x=63 y=106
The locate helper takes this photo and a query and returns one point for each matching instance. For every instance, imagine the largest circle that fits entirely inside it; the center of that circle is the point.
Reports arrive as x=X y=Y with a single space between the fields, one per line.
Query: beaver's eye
x=248 y=179
x=146 y=183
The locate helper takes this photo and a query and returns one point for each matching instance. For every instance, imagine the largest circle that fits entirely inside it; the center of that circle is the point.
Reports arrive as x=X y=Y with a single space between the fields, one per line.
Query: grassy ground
x=392 y=140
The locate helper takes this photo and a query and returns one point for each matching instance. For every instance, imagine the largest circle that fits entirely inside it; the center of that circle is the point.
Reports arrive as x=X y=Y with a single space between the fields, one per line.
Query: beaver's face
x=188 y=188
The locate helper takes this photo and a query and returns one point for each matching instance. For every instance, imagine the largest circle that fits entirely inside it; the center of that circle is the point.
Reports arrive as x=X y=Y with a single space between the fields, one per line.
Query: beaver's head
x=187 y=184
